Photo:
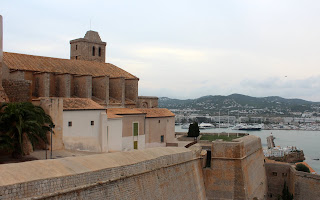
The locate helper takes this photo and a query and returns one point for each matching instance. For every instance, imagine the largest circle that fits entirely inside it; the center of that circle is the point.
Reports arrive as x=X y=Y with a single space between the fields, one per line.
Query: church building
x=94 y=105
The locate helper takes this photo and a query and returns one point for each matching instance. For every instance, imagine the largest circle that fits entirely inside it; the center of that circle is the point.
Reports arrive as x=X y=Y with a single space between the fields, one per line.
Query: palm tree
x=17 y=119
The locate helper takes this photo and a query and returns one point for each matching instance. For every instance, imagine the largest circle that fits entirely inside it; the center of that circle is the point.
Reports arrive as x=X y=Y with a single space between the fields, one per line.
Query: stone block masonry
x=237 y=170
x=17 y=90
x=301 y=184
x=157 y=173
x=83 y=86
x=100 y=88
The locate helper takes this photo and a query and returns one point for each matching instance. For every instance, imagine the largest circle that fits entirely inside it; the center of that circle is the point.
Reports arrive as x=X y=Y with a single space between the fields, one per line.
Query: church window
x=99 y=51
x=93 y=51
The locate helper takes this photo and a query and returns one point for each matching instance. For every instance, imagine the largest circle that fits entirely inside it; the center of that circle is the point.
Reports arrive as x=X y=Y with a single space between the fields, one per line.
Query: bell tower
x=89 y=48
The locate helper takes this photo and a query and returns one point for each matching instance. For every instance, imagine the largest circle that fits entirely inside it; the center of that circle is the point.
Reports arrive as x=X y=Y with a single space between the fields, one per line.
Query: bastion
x=156 y=173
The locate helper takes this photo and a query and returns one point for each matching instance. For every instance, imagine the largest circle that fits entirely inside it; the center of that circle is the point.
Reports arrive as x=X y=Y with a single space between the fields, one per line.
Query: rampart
x=156 y=173
x=301 y=184
x=236 y=170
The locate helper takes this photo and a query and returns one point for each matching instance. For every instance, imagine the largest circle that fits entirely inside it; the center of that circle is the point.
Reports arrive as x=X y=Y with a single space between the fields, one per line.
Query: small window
x=159 y=121
x=99 y=51
x=69 y=123
x=162 y=138
x=274 y=173
x=284 y=174
x=76 y=57
x=92 y=123
x=93 y=51
x=76 y=47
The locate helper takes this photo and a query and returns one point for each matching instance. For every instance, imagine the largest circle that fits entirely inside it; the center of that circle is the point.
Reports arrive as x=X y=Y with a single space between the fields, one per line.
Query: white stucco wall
x=82 y=135
x=114 y=135
x=127 y=142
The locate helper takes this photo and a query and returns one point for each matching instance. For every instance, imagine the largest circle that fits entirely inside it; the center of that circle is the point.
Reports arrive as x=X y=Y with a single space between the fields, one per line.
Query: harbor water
x=308 y=141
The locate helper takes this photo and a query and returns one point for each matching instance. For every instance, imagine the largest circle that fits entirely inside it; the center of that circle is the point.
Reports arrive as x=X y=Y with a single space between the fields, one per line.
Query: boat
x=185 y=126
x=247 y=127
x=206 y=125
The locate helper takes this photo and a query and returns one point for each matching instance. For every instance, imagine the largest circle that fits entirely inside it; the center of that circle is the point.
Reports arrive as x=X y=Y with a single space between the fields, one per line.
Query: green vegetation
x=193 y=130
x=303 y=168
x=19 y=121
x=216 y=137
x=286 y=195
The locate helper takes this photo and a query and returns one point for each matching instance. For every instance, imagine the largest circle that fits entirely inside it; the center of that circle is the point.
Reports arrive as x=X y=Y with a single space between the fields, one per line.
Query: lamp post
x=51 y=127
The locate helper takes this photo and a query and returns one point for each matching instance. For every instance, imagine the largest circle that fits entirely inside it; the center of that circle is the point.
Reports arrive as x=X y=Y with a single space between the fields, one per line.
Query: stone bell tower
x=89 y=48
x=3 y=96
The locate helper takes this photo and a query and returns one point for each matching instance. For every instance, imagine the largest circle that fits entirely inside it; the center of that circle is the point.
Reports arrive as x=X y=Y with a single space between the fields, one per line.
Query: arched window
x=99 y=51
x=93 y=51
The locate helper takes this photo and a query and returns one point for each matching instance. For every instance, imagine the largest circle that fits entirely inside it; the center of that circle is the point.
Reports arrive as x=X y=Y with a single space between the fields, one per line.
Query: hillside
x=235 y=103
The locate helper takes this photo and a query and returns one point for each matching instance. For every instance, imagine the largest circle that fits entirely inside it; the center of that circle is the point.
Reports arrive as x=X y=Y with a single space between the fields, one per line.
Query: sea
x=308 y=141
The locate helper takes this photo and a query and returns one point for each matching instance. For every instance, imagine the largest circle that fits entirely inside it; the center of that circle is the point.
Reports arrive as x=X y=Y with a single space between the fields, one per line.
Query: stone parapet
x=157 y=173
x=237 y=170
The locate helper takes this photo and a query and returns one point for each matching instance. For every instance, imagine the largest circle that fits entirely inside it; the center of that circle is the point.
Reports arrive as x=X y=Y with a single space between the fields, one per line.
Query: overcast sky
x=184 y=49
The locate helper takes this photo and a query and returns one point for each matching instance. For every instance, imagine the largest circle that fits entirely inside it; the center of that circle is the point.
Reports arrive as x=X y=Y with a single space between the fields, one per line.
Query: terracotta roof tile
x=156 y=112
x=124 y=111
x=80 y=104
x=16 y=61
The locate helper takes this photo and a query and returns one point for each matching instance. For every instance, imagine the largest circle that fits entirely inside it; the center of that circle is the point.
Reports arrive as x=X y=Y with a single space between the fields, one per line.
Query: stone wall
x=100 y=88
x=54 y=108
x=301 y=184
x=82 y=86
x=158 y=173
x=147 y=102
x=41 y=85
x=117 y=89
x=63 y=85
x=17 y=90
x=131 y=92
x=237 y=170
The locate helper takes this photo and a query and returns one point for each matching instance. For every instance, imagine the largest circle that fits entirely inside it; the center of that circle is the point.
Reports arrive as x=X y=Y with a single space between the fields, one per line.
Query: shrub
x=302 y=167
x=193 y=130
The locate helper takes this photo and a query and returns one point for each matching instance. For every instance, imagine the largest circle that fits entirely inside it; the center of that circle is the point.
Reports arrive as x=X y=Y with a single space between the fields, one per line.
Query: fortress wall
x=302 y=185
x=237 y=170
x=306 y=185
x=277 y=174
x=17 y=90
x=157 y=173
